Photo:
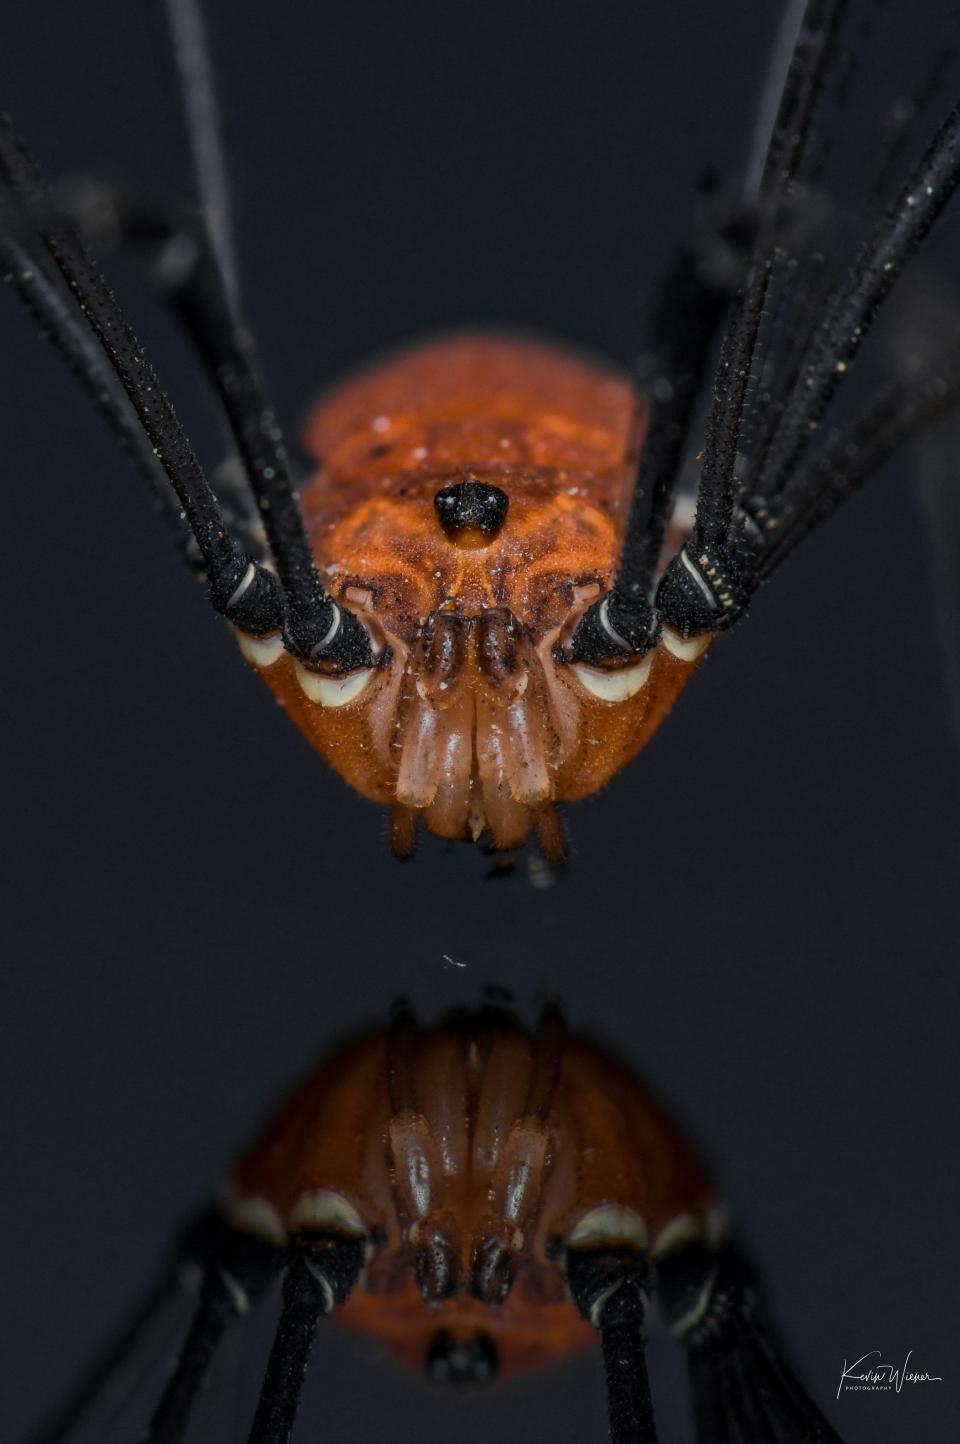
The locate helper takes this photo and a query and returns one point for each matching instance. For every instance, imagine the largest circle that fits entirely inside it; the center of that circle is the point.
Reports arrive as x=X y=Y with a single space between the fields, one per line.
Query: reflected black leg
x=743 y=1390
x=610 y=1288
x=111 y=1378
x=319 y=1276
x=238 y=1269
x=209 y=1260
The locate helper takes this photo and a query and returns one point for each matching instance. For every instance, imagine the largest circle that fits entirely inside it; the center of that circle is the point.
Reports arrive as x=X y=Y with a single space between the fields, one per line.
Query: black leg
x=239 y=588
x=208 y=297
x=692 y=297
x=854 y=305
x=113 y=1376
x=743 y=1390
x=708 y=584
x=896 y=416
x=610 y=1288
x=238 y=1269
x=111 y=1379
x=320 y=1275
x=704 y=588
x=201 y=113
x=316 y=628
x=57 y=319
x=786 y=152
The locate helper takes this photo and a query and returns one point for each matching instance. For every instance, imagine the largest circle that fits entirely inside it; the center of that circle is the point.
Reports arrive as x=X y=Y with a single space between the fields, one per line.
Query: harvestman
x=479 y=608
x=478 y=611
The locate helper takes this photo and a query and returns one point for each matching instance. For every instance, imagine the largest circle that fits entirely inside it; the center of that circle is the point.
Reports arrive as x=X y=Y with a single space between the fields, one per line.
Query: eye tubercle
x=471 y=513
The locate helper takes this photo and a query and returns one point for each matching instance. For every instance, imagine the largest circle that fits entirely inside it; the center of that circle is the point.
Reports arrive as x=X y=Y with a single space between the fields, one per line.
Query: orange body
x=473 y=719
x=474 y=1137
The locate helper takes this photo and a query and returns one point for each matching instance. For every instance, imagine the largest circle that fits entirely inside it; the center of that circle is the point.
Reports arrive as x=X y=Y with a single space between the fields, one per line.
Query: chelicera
x=480 y=1200
x=487 y=598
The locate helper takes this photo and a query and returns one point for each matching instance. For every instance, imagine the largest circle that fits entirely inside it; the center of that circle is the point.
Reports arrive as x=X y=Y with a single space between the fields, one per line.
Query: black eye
x=470 y=1360
x=471 y=506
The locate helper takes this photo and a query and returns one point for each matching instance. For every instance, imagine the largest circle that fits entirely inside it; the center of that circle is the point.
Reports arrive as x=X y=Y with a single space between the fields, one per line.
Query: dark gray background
x=761 y=914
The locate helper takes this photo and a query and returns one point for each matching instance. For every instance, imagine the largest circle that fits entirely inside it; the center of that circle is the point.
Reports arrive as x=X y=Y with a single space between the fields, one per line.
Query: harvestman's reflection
x=482 y=1200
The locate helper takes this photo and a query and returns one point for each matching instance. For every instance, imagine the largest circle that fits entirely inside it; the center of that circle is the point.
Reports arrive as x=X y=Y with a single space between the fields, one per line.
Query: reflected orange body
x=560 y=436
x=506 y=1134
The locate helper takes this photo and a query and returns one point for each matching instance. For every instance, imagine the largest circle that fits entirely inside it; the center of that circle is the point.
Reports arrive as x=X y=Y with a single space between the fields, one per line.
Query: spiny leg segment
x=752 y=510
x=292 y=600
